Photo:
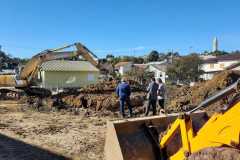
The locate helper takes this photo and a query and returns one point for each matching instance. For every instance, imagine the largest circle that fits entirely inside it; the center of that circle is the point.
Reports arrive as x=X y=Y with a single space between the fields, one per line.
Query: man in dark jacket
x=152 y=96
x=123 y=92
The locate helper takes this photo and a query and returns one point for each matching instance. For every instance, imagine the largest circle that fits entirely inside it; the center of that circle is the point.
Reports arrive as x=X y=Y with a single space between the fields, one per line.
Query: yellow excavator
x=26 y=79
x=182 y=136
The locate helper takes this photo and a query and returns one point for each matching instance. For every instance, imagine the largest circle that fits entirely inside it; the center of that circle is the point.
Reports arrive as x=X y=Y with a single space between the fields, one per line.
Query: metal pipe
x=223 y=93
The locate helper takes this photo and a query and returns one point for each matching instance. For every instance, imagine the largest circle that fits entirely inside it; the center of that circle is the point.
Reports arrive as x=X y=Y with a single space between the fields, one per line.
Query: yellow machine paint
x=189 y=132
x=219 y=130
x=222 y=129
x=130 y=140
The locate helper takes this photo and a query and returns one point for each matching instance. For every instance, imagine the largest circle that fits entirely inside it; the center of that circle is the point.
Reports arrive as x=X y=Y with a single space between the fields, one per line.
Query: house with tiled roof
x=159 y=70
x=60 y=74
x=213 y=65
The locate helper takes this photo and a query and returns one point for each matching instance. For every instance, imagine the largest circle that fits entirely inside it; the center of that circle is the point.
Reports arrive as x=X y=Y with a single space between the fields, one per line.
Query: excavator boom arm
x=30 y=68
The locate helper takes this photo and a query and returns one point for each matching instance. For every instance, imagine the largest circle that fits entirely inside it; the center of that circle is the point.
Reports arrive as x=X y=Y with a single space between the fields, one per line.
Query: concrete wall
x=68 y=79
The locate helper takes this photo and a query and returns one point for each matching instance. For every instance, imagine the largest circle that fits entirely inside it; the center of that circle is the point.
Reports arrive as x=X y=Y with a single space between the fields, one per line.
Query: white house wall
x=207 y=76
x=217 y=66
x=157 y=73
x=212 y=68
x=125 y=68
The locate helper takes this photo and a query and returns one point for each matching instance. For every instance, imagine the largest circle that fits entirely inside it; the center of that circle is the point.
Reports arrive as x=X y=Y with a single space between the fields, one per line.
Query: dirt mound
x=221 y=153
x=102 y=87
x=188 y=97
x=100 y=97
x=99 y=102
x=110 y=86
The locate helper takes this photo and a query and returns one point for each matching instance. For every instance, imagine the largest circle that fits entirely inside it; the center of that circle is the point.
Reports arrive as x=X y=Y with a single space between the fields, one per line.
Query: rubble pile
x=219 y=153
x=187 y=97
x=99 y=102
x=110 y=86
x=102 y=87
x=98 y=97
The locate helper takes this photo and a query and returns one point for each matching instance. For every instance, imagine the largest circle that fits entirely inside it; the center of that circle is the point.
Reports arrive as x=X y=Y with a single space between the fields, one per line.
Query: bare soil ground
x=27 y=134
x=218 y=153
x=62 y=133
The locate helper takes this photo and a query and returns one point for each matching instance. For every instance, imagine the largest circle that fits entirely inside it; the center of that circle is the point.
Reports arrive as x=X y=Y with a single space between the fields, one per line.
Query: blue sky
x=121 y=27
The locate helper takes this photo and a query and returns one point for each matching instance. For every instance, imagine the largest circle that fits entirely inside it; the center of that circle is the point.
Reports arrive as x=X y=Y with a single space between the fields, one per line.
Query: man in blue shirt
x=123 y=91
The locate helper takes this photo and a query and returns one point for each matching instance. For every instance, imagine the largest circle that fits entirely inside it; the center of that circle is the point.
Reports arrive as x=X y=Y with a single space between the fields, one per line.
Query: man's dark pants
x=122 y=102
x=151 y=103
x=161 y=103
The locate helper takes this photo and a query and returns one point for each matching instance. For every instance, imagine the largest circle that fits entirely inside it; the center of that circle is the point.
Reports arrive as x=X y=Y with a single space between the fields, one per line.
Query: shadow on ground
x=12 y=149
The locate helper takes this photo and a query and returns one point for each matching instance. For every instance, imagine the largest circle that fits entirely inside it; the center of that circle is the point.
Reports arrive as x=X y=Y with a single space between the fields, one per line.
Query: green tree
x=139 y=74
x=218 y=53
x=153 y=56
x=116 y=60
x=109 y=57
x=185 y=69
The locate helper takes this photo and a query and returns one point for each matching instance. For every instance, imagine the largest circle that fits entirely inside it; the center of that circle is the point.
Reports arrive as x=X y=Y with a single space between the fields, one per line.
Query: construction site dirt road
x=60 y=133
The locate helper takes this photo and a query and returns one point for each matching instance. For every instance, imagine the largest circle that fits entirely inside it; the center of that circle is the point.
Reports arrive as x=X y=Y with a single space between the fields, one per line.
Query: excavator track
x=7 y=94
x=38 y=92
x=218 y=153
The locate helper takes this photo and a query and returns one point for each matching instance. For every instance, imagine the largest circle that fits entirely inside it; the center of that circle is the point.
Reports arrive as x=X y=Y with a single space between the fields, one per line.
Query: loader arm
x=222 y=129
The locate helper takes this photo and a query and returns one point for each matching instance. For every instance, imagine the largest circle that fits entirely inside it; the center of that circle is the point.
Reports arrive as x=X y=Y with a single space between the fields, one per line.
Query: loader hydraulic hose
x=223 y=93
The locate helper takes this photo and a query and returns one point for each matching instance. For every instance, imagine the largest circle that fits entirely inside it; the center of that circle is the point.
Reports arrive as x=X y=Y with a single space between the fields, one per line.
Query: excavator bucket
x=138 y=138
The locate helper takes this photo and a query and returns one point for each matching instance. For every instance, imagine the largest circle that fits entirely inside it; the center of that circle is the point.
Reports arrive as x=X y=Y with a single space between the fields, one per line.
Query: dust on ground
x=74 y=136
x=71 y=123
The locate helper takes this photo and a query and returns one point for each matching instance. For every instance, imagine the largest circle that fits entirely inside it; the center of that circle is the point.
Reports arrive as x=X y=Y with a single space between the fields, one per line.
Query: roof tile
x=63 y=65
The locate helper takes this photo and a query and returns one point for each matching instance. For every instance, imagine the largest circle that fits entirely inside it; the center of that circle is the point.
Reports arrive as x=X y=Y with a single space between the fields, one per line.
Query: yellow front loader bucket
x=131 y=139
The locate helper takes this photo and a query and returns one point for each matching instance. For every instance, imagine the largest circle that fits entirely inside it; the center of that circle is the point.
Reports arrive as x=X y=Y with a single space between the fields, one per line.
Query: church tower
x=215 y=44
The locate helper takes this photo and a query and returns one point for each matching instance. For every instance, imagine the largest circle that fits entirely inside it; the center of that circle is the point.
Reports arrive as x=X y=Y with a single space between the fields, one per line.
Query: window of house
x=90 y=77
x=211 y=65
x=222 y=65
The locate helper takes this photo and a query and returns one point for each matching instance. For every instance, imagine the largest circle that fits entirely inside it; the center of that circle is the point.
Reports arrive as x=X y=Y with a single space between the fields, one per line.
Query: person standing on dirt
x=123 y=91
x=161 y=95
x=152 y=97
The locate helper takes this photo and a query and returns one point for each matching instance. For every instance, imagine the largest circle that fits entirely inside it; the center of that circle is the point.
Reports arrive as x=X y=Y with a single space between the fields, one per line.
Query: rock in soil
x=218 y=153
